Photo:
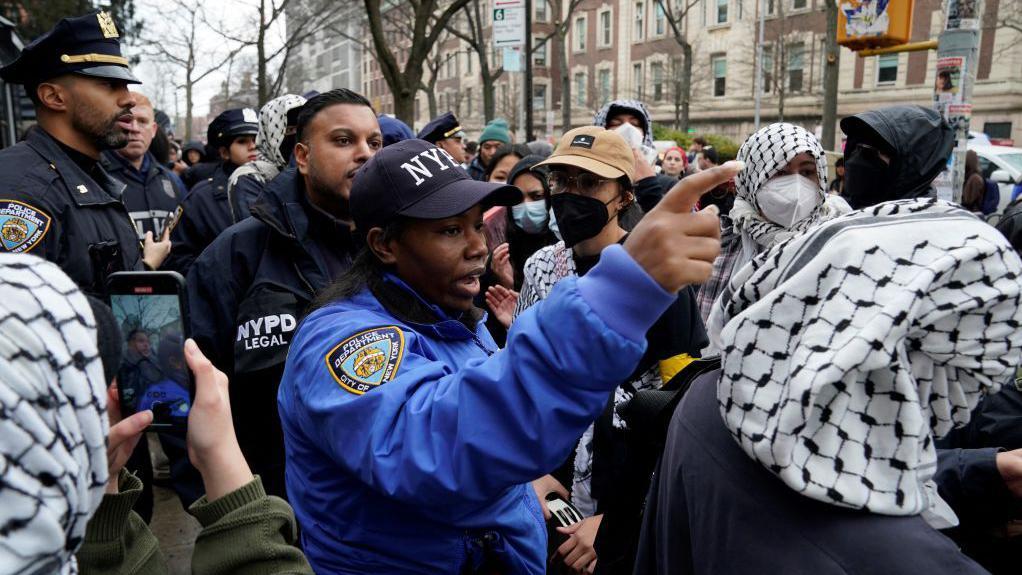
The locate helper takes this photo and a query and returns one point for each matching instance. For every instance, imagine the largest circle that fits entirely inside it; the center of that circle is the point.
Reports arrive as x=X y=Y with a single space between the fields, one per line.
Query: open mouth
x=471 y=279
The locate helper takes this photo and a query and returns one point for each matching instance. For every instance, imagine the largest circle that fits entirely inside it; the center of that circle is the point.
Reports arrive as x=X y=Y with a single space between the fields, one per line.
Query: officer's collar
x=86 y=163
x=92 y=184
x=409 y=306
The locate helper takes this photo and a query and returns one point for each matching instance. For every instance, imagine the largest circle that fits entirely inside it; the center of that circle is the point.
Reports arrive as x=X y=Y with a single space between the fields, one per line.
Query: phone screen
x=153 y=374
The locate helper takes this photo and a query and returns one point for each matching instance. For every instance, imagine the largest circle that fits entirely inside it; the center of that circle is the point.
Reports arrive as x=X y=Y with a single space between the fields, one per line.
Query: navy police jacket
x=51 y=207
x=411 y=441
x=246 y=293
x=152 y=193
x=200 y=218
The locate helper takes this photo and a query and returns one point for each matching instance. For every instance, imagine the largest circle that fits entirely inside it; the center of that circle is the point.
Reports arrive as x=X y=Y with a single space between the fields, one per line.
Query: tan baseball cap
x=594 y=149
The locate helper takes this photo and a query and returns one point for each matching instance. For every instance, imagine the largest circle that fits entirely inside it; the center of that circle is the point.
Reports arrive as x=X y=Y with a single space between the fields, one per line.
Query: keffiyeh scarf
x=848 y=349
x=765 y=154
x=54 y=425
x=272 y=125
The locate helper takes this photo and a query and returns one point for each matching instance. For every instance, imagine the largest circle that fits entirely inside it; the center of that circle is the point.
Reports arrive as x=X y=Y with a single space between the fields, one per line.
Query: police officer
x=410 y=437
x=205 y=211
x=153 y=191
x=56 y=200
x=248 y=290
x=445 y=132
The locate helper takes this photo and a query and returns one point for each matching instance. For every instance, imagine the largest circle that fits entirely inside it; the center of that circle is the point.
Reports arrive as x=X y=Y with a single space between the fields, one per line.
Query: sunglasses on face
x=585 y=183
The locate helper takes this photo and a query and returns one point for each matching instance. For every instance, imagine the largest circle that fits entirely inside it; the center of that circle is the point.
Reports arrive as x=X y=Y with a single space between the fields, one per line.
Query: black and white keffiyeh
x=54 y=426
x=765 y=154
x=272 y=126
x=848 y=349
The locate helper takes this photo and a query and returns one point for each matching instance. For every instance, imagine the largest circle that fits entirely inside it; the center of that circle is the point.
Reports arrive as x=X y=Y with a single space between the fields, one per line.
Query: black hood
x=917 y=139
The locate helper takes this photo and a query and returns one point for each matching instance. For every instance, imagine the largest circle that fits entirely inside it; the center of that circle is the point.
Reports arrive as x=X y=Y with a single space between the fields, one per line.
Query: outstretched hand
x=502 y=303
x=123 y=437
x=675 y=246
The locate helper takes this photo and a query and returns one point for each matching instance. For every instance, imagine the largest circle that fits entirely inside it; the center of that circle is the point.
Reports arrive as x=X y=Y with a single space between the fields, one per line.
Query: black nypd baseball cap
x=415 y=179
x=230 y=124
x=88 y=45
x=441 y=127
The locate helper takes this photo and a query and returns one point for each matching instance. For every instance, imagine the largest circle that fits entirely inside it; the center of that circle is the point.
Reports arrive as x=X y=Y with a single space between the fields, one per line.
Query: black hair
x=839 y=163
x=505 y=150
x=472 y=147
x=365 y=269
x=318 y=103
x=160 y=146
x=132 y=332
x=700 y=140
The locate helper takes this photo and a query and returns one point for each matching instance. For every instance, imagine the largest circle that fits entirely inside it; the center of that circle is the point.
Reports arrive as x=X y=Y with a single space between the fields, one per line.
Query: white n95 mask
x=787 y=200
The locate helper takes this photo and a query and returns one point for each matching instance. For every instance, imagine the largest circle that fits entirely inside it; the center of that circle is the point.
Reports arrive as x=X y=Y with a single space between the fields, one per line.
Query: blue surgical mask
x=530 y=216
x=553 y=225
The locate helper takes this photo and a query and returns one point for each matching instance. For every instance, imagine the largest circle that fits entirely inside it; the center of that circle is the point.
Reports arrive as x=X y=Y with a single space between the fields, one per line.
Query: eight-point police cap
x=230 y=124
x=439 y=128
x=88 y=45
x=416 y=179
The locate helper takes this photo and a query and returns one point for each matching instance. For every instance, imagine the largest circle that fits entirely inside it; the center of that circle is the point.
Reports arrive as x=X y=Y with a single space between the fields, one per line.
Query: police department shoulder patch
x=367 y=359
x=22 y=226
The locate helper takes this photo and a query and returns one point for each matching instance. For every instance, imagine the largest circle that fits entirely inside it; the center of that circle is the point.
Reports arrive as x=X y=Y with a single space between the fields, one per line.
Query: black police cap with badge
x=439 y=128
x=87 y=45
x=230 y=124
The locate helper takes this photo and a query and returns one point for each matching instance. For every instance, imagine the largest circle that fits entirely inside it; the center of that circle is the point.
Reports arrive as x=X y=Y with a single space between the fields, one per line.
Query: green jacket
x=244 y=533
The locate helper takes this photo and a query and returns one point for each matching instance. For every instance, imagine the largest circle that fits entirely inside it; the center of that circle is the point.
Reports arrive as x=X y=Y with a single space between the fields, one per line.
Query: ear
x=384 y=251
x=53 y=96
x=301 y=156
x=225 y=153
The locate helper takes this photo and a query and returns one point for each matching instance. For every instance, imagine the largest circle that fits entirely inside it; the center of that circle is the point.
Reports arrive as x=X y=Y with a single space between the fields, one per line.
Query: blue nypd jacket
x=410 y=445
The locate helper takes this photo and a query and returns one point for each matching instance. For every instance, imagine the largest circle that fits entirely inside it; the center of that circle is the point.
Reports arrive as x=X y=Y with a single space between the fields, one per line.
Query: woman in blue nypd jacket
x=410 y=438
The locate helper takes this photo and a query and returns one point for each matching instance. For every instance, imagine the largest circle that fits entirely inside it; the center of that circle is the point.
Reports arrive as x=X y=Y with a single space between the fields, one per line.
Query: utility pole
x=761 y=10
x=957 y=63
x=527 y=89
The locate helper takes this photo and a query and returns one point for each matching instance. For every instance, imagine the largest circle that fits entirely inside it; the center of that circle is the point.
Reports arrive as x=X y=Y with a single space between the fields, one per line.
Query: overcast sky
x=159 y=23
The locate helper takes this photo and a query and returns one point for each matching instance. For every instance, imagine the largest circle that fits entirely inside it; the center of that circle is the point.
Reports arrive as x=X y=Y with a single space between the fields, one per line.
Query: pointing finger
x=684 y=195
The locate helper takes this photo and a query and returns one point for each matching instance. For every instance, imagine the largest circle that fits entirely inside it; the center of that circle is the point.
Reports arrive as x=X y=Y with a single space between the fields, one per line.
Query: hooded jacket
x=247 y=182
x=917 y=140
x=648 y=191
x=246 y=293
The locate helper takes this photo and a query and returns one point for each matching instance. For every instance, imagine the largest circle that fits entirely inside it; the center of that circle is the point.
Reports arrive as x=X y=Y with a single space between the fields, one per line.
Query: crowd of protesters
x=427 y=353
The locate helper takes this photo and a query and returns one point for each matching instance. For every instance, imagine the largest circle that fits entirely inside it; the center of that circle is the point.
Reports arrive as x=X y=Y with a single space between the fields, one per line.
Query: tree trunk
x=831 y=68
x=431 y=97
x=489 y=87
x=686 y=86
x=188 y=105
x=561 y=47
x=261 y=55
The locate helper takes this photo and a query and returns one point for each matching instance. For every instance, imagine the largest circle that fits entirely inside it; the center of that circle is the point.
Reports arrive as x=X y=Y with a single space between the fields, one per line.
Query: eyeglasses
x=586 y=183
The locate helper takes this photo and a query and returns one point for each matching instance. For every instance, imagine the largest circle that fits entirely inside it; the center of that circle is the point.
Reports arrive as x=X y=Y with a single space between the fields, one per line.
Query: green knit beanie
x=496 y=130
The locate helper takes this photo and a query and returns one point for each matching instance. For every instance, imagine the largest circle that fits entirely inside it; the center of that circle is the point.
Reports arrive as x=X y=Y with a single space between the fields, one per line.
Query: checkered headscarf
x=848 y=349
x=53 y=426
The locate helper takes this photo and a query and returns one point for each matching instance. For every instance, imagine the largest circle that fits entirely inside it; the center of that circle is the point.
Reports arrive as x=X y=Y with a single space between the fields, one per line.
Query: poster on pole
x=512 y=59
x=508 y=23
x=962 y=15
x=948 y=87
x=958 y=117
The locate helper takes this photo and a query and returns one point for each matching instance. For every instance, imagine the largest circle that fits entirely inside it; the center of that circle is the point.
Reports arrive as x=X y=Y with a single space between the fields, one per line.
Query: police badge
x=367 y=359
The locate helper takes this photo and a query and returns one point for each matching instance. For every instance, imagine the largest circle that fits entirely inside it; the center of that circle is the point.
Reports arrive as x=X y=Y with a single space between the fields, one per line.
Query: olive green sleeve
x=247 y=533
x=117 y=541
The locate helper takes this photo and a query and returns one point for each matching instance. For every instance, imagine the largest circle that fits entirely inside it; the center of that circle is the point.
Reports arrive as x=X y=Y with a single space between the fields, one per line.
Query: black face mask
x=867 y=178
x=579 y=217
x=287 y=146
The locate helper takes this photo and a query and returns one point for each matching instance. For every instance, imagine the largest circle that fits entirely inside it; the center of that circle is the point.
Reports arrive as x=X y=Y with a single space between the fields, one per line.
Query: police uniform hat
x=444 y=126
x=87 y=45
x=230 y=124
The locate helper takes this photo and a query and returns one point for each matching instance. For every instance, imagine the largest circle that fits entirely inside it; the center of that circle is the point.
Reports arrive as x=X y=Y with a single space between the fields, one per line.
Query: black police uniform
x=205 y=211
x=56 y=202
x=440 y=128
x=247 y=292
x=151 y=195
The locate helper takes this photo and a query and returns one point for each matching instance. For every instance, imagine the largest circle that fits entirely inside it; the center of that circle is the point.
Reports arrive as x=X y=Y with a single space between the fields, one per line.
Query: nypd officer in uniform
x=56 y=200
x=206 y=211
x=445 y=132
x=411 y=439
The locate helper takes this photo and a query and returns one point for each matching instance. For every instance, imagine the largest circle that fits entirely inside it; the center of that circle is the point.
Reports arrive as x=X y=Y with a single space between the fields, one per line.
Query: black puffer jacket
x=1011 y=224
x=918 y=141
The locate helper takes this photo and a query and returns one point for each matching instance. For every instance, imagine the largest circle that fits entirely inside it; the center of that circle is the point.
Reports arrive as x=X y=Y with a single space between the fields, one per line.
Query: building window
x=451 y=67
x=539 y=97
x=605 y=28
x=768 y=69
x=741 y=8
x=722 y=11
x=998 y=130
x=640 y=21
x=538 y=54
x=468 y=102
x=580 y=89
x=796 y=63
x=540 y=11
x=799 y=4
x=887 y=69
x=604 y=78
x=580 y=34
x=659 y=19
x=719 y=65
x=637 y=80
x=468 y=61
x=656 y=70
x=771 y=9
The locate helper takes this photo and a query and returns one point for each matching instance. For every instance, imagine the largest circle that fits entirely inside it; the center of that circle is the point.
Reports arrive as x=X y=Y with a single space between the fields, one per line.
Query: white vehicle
x=1001 y=164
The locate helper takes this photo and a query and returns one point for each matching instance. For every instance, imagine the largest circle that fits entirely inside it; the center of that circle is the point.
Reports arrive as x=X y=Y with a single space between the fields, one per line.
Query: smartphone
x=152 y=311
